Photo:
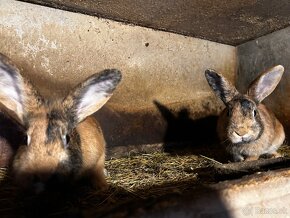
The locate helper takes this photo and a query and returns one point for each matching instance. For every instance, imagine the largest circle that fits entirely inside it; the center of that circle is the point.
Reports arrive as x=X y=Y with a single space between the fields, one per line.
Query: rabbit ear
x=90 y=95
x=221 y=86
x=17 y=96
x=265 y=84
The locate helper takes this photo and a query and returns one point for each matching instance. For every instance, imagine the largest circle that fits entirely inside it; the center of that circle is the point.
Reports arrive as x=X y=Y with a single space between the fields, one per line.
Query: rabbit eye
x=254 y=113
x=65 y=140
x=228 y=112
x=27 y=139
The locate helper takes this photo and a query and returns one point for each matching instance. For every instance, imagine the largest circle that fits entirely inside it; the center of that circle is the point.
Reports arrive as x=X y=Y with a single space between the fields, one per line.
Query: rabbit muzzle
x=238 y=137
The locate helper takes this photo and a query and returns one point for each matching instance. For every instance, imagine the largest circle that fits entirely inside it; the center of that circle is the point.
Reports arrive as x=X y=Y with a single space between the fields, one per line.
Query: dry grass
x=144 y=171
x=285 y=150
x=136 y=177
x=147 y=176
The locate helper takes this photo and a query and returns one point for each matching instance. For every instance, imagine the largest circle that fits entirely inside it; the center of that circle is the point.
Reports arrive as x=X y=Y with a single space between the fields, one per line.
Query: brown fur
x=93 y=150
x=11 y=136
x=66 y=141
x=271 y=139
x=42 y=160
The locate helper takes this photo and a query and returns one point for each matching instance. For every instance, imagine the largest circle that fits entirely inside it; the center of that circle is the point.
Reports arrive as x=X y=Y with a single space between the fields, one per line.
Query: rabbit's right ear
x=17 y=96
x=90 y=95
x=221 y=86
x=265 y=84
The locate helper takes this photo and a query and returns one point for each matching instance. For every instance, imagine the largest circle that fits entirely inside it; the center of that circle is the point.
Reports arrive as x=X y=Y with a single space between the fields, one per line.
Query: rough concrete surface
x=258 y=55
x=264 y=194
x=57 y=49
x=229 y=22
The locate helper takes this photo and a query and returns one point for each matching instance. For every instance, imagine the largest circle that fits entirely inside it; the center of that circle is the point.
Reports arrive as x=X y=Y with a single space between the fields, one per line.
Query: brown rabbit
x=63 y=141
x=246 y=126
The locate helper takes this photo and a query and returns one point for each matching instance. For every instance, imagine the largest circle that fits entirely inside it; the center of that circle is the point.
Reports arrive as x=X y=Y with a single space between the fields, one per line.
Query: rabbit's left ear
x=90 y=95
x=265 y=84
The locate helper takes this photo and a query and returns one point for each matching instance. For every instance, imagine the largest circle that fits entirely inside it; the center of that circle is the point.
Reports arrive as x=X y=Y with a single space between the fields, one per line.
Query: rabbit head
x=53 y=143
x=245 y=119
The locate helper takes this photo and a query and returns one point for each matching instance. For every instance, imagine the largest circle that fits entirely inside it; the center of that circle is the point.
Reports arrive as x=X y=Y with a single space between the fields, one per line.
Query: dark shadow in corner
x=57 y=202
x=53 y=203
x=185 y=135
x=11 y=136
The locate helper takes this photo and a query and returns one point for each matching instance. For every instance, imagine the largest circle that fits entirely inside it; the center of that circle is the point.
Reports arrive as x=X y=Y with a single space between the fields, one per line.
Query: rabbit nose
x=241 y=133
x=237 y=133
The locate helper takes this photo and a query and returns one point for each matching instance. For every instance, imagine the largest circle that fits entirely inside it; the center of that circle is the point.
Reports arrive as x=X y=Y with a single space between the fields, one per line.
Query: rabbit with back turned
x=246 y=127
x=64 y=142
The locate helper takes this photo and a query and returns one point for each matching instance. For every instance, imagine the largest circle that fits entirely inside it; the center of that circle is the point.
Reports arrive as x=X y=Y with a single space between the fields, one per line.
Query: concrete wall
x=57 y=49
x=260 y=54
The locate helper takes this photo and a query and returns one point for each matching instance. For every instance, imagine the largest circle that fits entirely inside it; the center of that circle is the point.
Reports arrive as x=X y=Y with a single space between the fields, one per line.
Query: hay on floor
x=130 y=178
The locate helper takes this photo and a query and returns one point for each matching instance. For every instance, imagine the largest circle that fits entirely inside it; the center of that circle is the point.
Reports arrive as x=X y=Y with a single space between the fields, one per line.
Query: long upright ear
x=221 y=86
x=17 y=95
x=90 y=95
x=265 y=84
